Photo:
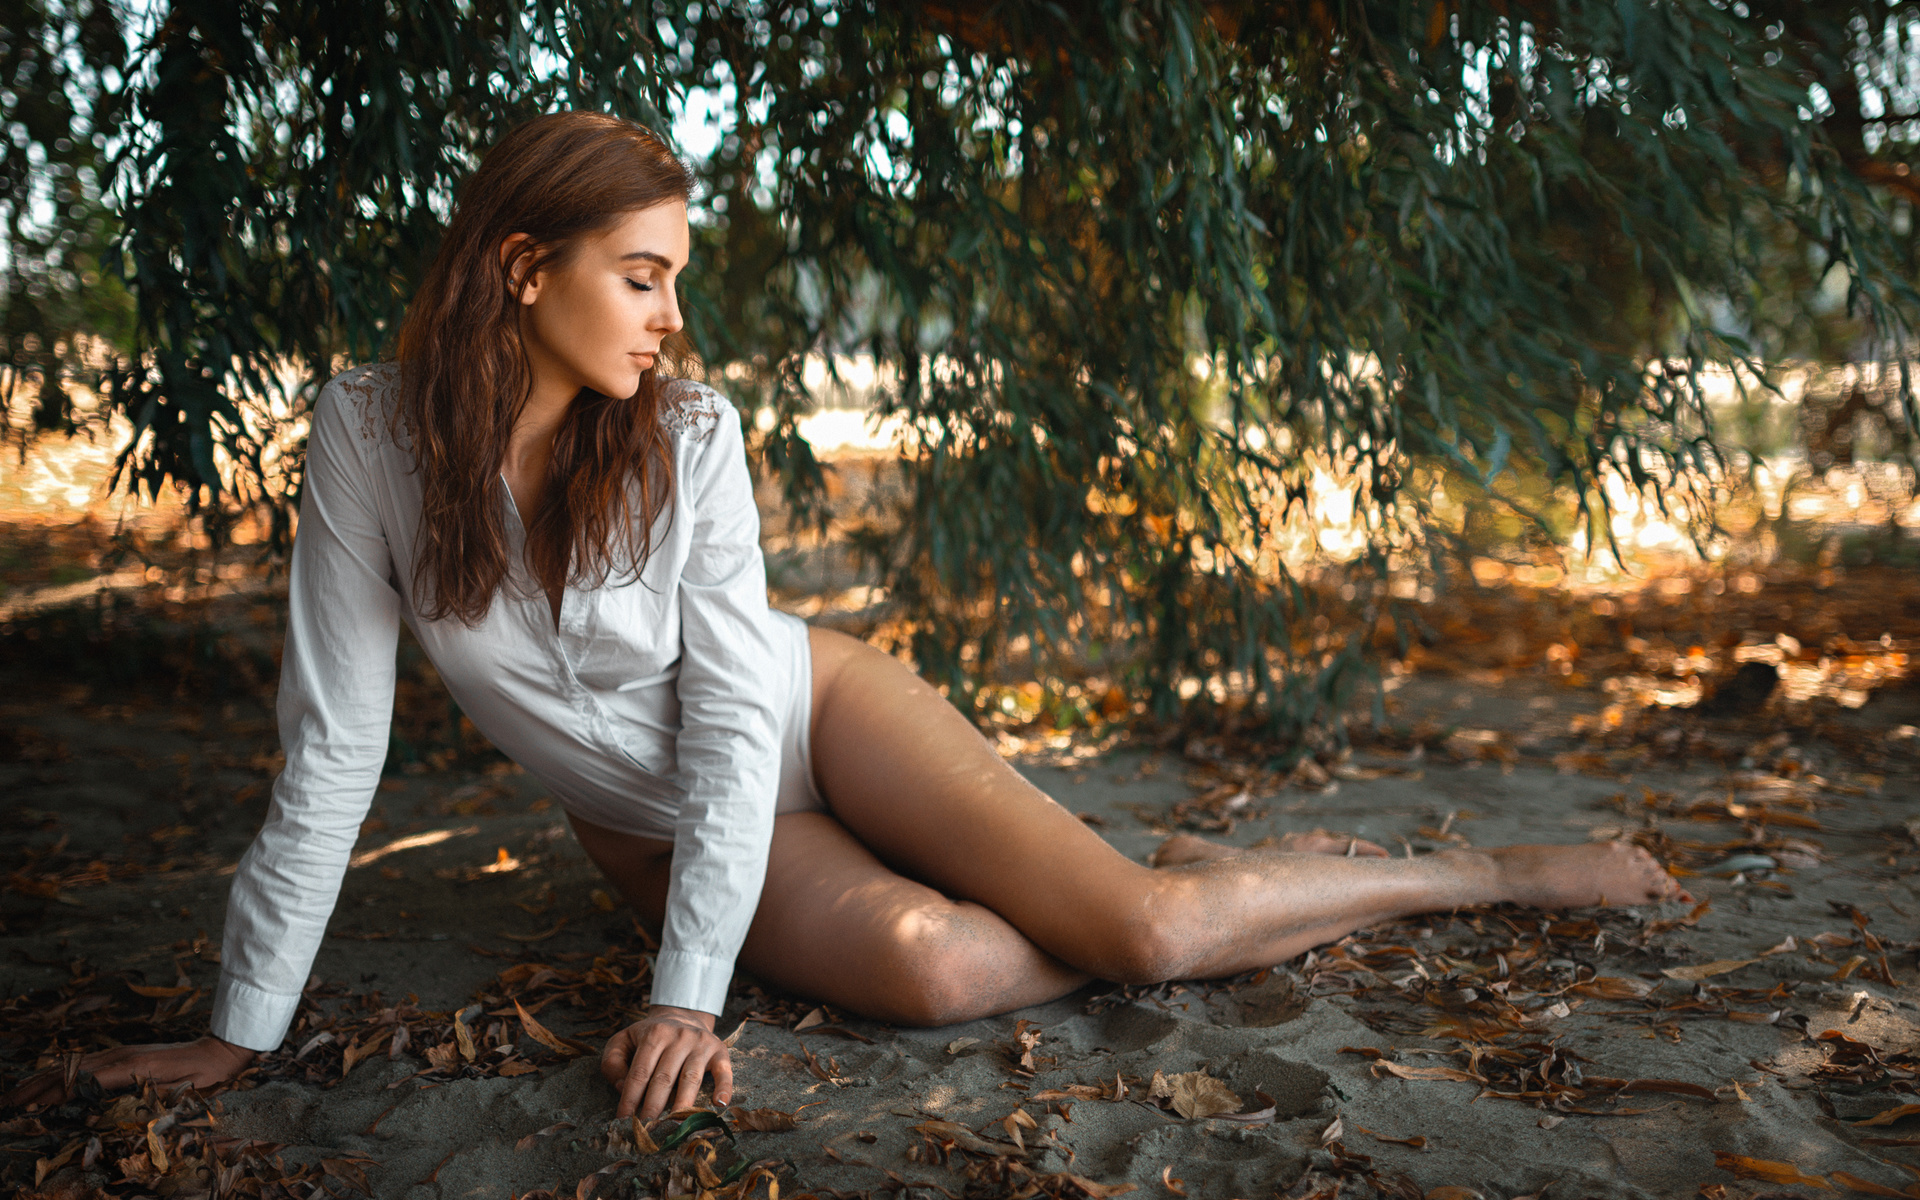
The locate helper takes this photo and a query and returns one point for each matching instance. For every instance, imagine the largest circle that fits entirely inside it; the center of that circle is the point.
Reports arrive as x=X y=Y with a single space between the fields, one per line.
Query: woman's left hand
x=657 y=1062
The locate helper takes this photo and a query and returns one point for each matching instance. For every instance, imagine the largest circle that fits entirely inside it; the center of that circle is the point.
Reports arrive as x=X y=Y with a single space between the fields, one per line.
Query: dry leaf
x=1452 y=1073
x=1742 y=1167
x=1707 y=970
x=157 y=993
x=464 y=1037
x=1198 y=1095
x=642 y=1140
x=443 y=1057
x=1612 y=987
x=763 y=1120
x=958 y=1044
x=540 y=1033
x=1551 y=1122
x=1786 y=947
x=535 y=1138
x=1418 y=1143
x=1891 y=1115
x=1177 y=1186
x=1158 y=1088
x=1865 y=1187
x=817 y=1017
x=517 y=1066
x=1335 y=1130
x=1450 y=1192
x=967 y=1139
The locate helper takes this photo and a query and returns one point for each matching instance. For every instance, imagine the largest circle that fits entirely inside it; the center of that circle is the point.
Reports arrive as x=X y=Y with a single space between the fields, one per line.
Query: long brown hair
x=464 y=374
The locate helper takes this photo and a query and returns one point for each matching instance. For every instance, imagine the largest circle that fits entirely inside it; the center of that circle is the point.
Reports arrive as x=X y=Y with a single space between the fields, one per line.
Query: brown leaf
x=1742 y=1167
x=350 y=1171
x=156 y=1152
x=1177 y=1186
x=1673 y=1086
x=1335 y=1130
x=1695 y=974
x=1418 y=1143
x=642 y=1140
x=357 y=1052
x=1401 y=1072
x=517 y=1066
x=443 y=1057
x=464 y=1037
x=540 y=1033
x=540 y=1135
x=817 y=1017
x=762 y=1120
x=157 y=993
x=1198 y=1095
x=1898 y=1112
x=584 y=1189
x=1612 y=987
x=1451 y=1192
x=1158 y=1088
x=1866 y=1187
x=1073 y=1091
x=967 y=1139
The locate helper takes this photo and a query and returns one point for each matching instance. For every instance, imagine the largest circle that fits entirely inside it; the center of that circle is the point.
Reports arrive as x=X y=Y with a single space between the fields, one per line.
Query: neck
x=531 y=443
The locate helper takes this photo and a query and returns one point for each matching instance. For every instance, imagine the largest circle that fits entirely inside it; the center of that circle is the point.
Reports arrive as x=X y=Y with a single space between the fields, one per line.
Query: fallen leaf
x=1198 y=1095
x=1177 y=1186
x=967 y=1139
x=540 y=1033
x=762 y=1120
x=464 y=1037
x=157 y=993
x=958 y=1044
x=1551 y=1122
x=1742 y=1167
x=542 y=936
x=1673 y=1086
x=1418 y=1143
x=1786 y=947
x=584 y=1189
x=1891 y=1115
x=1707 y=970
x=817 y=1017
x=642 y=1140
x=1158 y=1088
x=443 y=1057
x=540 y=1135
x=1335 y=1130
x=1865 y=1187
x=517 y=1066
x=1402 y=1072
x=1613 y=987
x=1450 y=1192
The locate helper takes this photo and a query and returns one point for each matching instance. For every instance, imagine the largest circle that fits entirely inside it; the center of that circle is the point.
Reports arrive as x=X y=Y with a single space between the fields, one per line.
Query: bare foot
x=1572 y=876
x=1184 y=848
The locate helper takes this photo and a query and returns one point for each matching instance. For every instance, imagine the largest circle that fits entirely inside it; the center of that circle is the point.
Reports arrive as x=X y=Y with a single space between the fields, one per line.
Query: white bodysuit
x=673 y=705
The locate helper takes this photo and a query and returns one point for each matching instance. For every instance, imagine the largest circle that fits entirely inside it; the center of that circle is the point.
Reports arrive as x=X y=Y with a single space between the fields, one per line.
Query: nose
x=666 y=319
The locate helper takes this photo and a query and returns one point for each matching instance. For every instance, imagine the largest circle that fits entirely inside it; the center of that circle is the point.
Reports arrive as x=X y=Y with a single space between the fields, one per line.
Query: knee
x=1144 y=949
x=935 y=973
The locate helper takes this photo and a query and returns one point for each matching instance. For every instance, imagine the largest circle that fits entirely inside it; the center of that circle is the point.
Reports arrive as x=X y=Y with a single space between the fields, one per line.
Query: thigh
x=835 y=924
x=917 y=784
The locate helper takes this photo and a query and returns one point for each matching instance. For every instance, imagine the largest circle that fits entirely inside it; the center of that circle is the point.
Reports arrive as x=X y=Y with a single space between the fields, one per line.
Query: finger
x=633 y=1084
x=692 y=1072
x=661 y=1081
x=721 y=1065
x=615 y=1058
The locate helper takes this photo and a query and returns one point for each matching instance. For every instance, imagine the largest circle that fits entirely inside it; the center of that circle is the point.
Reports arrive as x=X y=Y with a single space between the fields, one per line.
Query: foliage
x=1135 y=269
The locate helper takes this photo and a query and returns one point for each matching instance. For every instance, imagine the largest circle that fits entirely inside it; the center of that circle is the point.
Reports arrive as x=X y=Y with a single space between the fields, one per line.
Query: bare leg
x=944 y=886
x=915 y=783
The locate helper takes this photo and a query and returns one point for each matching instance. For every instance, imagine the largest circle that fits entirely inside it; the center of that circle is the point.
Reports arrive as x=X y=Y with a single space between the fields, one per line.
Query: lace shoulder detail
x=370 y=393
x=691 y=410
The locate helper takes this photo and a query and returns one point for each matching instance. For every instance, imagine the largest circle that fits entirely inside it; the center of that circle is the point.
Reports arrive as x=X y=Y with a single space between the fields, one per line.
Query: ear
x=515 y=243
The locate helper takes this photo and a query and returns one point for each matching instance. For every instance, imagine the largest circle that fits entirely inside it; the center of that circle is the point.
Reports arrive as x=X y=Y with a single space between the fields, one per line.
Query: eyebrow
x=660 y=260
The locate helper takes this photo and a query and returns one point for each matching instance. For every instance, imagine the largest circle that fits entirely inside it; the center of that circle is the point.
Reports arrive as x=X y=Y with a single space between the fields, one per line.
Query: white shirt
x=690 y=743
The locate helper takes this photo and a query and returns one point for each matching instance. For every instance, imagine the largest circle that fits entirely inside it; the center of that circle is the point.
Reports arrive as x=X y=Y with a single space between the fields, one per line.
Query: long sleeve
x=729 y=756
x=335 y=709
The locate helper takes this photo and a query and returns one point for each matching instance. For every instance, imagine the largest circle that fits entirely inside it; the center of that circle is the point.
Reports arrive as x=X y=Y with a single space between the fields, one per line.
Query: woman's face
x=598 y=320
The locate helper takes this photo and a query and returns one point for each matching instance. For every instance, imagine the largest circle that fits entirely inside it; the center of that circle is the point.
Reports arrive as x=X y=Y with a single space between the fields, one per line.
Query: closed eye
x=637 y=286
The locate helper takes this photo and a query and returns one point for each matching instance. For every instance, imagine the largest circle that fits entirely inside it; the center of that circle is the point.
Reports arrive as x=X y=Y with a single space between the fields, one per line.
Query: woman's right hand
x=203 y=1062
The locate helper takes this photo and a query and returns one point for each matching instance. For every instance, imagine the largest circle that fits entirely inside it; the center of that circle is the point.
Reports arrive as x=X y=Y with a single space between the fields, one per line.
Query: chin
x=620 y=386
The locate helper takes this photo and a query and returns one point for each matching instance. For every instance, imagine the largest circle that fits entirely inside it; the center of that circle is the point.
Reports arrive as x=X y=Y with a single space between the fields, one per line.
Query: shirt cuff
x=247 y=1016
x=691 y=981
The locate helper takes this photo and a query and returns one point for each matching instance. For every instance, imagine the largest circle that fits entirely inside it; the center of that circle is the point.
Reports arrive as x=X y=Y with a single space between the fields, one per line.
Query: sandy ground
x=174 y=793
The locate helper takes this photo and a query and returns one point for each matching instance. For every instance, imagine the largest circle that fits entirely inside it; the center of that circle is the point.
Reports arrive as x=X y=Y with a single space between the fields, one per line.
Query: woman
x=573 y=539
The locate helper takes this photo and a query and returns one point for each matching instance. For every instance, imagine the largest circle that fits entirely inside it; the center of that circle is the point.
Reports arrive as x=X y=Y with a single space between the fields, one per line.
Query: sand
x=409 y=922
